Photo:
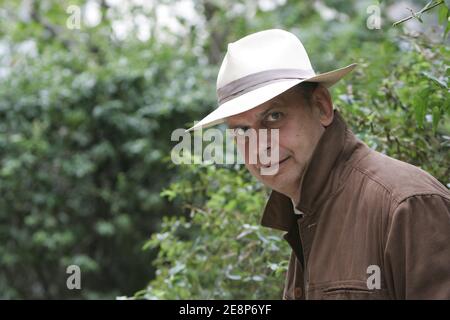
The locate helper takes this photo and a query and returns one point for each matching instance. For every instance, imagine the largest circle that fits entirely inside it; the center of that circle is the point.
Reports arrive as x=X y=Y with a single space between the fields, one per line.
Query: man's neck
x=295 y=199
x=295 y=195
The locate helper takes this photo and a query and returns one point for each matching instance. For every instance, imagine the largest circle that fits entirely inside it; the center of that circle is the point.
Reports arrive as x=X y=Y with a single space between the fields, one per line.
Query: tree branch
x=417 y=14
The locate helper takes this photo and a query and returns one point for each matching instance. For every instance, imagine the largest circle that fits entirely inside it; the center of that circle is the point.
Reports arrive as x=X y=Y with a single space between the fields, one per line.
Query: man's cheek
x=253 y=170
x=243 y=152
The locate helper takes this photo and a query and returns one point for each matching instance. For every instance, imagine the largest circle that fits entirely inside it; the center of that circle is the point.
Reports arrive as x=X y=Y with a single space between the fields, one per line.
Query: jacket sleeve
x=417 y=251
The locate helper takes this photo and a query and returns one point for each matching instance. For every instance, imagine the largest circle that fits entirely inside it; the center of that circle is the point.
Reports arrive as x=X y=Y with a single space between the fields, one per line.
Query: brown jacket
x=362 y=211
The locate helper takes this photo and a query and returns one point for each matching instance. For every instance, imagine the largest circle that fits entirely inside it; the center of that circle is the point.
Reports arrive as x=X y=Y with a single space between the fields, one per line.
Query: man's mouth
x=275 y=164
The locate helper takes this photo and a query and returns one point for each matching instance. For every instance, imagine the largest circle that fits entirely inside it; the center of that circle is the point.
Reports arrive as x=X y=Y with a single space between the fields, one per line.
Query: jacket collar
x=324 y=174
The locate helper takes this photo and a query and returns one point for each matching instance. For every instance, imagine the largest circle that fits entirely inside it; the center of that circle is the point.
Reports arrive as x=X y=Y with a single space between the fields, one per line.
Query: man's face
x=300 y=129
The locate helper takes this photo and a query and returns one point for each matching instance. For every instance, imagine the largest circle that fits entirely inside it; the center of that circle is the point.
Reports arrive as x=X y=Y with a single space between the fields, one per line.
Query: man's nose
x=262 y=148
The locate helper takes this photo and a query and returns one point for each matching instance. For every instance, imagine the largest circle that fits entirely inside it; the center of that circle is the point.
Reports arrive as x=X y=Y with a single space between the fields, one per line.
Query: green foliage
x=83 y=135
x=399 y=103
x=218 y=250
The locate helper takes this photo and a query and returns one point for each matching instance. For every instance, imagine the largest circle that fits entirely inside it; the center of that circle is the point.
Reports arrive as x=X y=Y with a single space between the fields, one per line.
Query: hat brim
x=254 y=98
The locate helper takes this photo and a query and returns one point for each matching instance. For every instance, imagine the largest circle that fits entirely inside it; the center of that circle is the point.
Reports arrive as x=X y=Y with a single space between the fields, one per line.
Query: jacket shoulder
x=400 y=179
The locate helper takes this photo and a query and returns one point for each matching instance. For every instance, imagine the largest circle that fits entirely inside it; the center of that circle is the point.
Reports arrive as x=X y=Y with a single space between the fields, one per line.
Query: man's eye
x=274 y=116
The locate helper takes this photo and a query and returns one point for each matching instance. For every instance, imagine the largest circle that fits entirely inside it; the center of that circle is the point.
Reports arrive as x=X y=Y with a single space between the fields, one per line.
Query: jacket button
x=298 y=292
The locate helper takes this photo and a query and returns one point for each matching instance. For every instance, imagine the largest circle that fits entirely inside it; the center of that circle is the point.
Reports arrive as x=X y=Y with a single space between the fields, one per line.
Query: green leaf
x=435 y=80
x=443 y=15
x=420 y=105
x=436 y=117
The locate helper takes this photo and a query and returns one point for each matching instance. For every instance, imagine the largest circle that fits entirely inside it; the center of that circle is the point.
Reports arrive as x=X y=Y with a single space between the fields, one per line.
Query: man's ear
x=322 y=101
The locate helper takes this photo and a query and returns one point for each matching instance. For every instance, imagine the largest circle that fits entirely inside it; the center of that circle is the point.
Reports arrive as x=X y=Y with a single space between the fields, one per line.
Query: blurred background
x=90 y=92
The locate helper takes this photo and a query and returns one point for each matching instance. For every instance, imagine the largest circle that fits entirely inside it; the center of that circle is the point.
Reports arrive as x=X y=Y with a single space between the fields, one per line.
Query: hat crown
x=262 y=51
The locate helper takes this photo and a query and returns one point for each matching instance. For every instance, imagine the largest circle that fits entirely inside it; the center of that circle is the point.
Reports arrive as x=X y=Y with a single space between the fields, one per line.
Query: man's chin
x=279 y=181
x=283 y=181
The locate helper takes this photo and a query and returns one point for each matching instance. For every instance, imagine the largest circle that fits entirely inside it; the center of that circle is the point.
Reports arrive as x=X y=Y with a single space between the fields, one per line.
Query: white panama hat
x=259 y=67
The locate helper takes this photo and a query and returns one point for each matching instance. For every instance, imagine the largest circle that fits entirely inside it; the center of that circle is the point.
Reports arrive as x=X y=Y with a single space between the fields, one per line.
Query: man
x=361 y=225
